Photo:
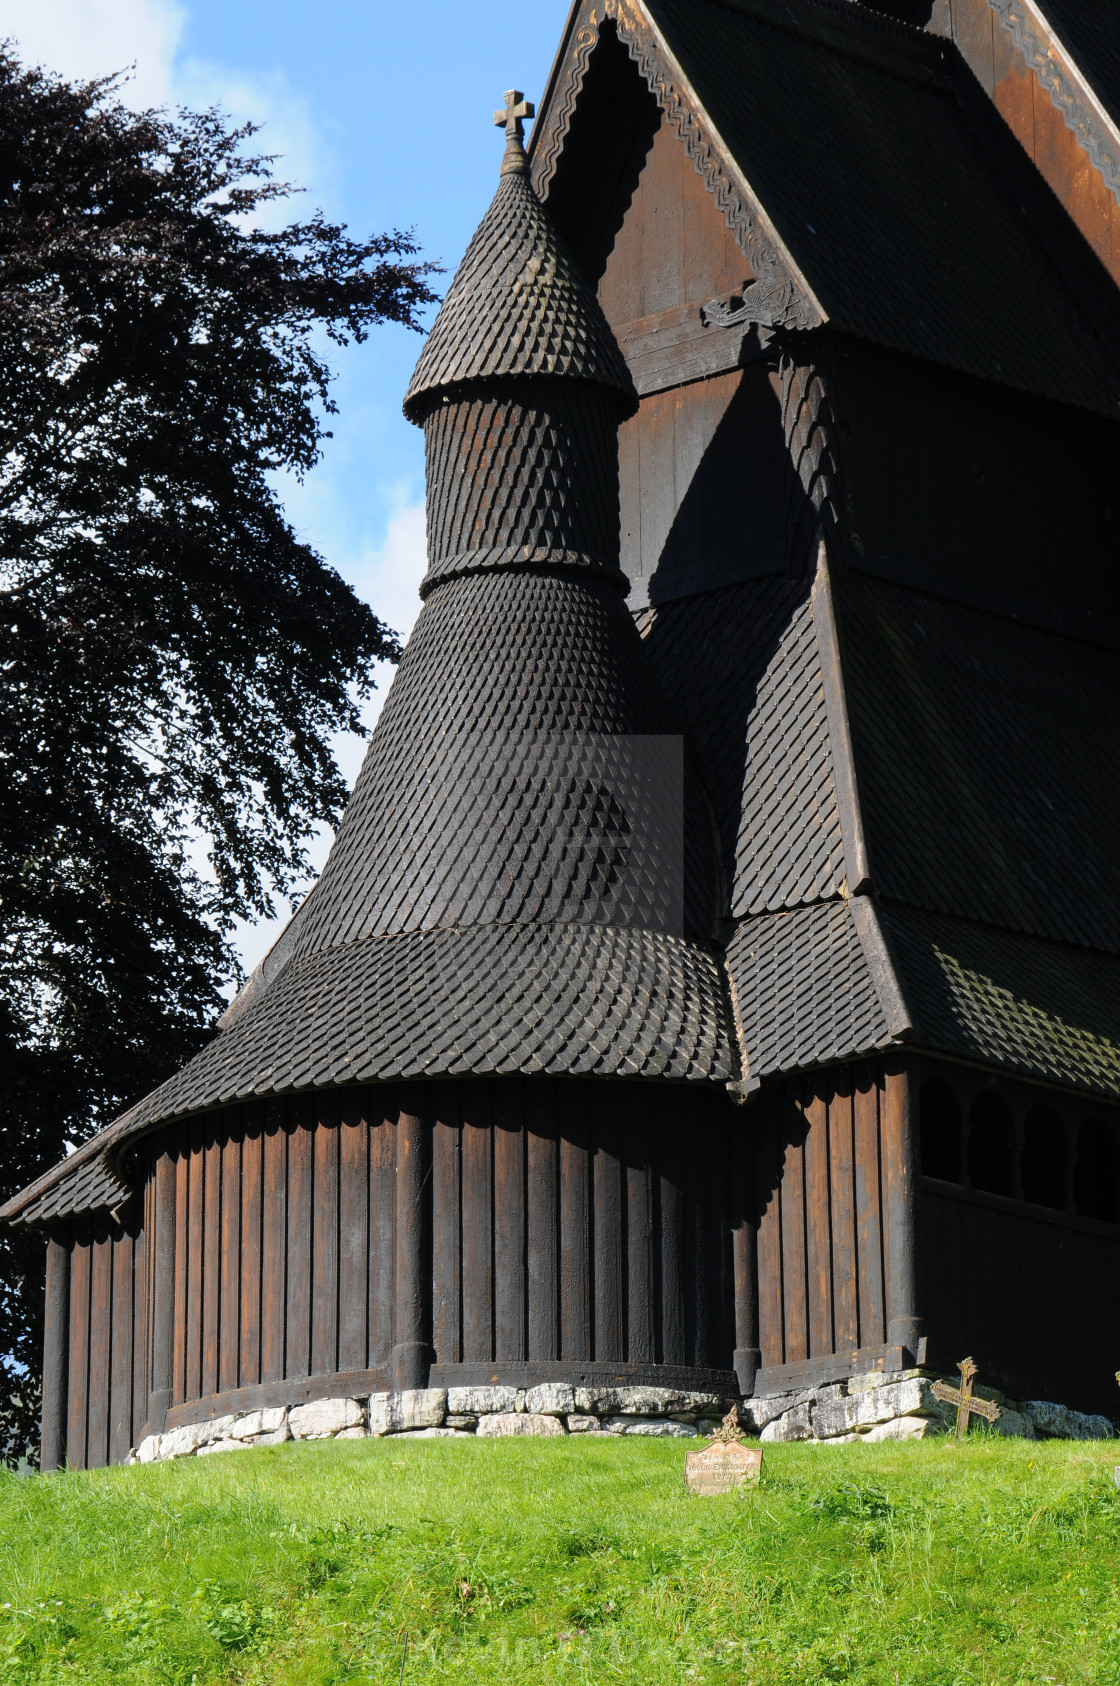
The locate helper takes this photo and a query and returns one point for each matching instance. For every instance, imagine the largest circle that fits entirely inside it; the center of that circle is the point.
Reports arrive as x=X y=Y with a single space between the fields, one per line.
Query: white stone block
x=552 y=1399
x=351 y=1434
x=148 y=1450
x=324 y=1417
x=578 y=1424
x=899 y=1428
x=755 y=1414
x=1014 y=1424
x=643 y=1401
x=1058 y=1422
x=484 y=1401
x=183 y=1442
x=278 y=1436
x=396 y=1413
x=255 y=1423
x=495 y=1424
x=663 y=1427
x=222 y=1446
x=792 y=1425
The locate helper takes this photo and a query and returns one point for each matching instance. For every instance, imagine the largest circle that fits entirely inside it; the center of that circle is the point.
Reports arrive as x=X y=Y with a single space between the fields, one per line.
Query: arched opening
x=939 y=1113
x=991 y=1144
x=1094 y=1172
x=1043 y=1167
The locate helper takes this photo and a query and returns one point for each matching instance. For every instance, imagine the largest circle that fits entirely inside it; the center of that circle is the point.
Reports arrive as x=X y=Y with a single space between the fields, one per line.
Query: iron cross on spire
x=962 y=1398
x=517 y=110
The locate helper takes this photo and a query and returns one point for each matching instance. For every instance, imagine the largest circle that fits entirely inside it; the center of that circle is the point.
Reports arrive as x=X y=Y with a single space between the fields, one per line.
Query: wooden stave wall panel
x=822 y=1197
x=606 y=1179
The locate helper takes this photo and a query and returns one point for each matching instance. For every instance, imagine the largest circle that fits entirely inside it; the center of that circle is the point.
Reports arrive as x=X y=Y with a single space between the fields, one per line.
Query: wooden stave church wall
x=393 y=1212
x=823 y=1274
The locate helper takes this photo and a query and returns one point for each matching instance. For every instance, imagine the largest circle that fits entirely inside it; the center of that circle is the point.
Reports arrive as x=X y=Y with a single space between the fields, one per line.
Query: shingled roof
x=518 y=306
x=975 y=788
x=507 y=890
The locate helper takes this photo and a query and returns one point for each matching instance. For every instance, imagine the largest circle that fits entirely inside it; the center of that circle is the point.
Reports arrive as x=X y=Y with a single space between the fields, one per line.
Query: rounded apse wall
x=508 y=1230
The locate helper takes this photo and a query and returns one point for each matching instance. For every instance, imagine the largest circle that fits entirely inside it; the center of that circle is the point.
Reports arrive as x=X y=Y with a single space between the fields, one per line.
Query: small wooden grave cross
x=725 y=1463
x=963 y=1398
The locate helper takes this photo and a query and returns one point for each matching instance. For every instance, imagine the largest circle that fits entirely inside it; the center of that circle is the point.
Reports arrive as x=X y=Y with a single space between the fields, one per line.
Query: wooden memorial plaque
x=725 y=1464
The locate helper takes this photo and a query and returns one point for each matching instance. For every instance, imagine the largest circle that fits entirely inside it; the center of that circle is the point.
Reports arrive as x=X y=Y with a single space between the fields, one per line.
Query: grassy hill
x=561 y=1561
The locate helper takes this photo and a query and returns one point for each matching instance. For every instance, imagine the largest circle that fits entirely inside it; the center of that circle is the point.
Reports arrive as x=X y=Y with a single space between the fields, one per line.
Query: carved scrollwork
x=738 y=310
x=776 y=299
x=547 y=154
x=1035 y=48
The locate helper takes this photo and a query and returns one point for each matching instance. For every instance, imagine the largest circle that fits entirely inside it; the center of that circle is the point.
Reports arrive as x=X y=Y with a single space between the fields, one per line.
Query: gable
x=848 y=156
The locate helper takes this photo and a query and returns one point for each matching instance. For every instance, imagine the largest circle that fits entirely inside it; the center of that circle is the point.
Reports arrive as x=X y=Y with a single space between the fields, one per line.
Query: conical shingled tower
x=517 y=914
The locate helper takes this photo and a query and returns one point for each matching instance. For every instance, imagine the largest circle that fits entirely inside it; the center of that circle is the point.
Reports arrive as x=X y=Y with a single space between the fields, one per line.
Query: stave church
x=714 y=984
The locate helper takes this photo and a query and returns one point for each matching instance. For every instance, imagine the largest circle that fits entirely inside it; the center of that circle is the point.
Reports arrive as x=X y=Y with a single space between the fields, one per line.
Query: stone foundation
x=871 y=1407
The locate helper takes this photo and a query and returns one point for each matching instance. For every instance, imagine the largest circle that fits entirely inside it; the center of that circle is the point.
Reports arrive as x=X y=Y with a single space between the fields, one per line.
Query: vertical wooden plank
x=164 y=1281
x=77 y=1404
x=211 y=1254
x=181 y=1155
x=744 y=1240
x=818 y=1236
x=771 y=1320
x=630 y=497
x=297 y=1341
x=510 y=1297
x=56 y=1335
x=353 y=1241
x=715 y=1322
x=274 y=1230
x=411 y=1321
x=711 y=259
x=973 y=24
x=641 y=1338
x=139 y=1384
x=100 y=1350
x=794 y=1286
x=252 y=1196
x=899 y=1155
x=869 y=1230
x=670 y=1151
x=845 y=1269
x=196 y=1183
x=609 y=1232
x=120 y=1353
x=382 y=1222
x=478 y=1231
x=324 y=1261
x=542 y=1218
x=575 y=1235
x=229 y=1281
x=662 y=228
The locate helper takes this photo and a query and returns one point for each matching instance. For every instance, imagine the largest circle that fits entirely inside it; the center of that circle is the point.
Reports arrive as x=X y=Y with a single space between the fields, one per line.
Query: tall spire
x=523 y=880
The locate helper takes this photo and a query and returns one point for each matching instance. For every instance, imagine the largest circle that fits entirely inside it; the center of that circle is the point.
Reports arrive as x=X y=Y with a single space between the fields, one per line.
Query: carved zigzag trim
x=780 y=296
x=1036 y=42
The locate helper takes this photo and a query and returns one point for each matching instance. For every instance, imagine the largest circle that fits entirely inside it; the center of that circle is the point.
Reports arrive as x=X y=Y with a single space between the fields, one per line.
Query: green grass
x=578 y=1560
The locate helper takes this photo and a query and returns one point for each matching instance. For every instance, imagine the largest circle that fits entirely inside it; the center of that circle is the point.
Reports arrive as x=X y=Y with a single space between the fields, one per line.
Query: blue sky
x=383 y=112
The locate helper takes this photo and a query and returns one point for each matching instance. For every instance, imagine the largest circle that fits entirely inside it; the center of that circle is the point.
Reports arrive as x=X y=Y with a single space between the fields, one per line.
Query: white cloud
x=85 y=38
x=81 y=39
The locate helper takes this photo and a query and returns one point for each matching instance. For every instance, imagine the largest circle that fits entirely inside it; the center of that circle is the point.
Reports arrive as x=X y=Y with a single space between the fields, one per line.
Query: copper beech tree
x=175 y=658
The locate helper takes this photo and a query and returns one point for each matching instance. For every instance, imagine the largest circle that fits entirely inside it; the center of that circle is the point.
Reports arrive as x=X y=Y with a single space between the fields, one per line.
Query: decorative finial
x=517 y=109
